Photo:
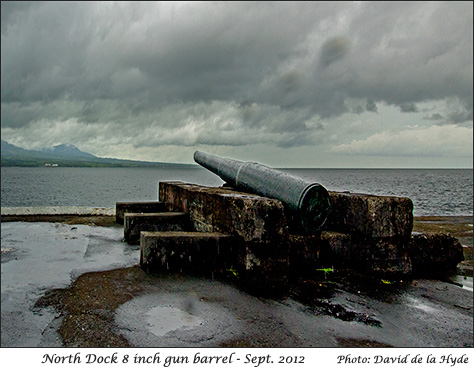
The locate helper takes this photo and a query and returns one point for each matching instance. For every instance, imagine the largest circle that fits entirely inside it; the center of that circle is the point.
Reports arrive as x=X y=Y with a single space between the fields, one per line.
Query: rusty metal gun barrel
x=307 y=201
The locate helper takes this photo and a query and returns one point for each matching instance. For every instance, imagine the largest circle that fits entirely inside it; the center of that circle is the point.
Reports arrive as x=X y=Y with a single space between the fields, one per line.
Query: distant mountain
x=68 y=150
x=58 y=151
x=9 y=149
x=67 y=155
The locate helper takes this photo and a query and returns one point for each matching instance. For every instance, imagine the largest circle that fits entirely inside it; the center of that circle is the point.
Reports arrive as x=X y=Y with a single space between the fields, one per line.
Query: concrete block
x=311 y=252
x=190 y=252
x=134 y=223
x=384 y=257
x=265 y=265
x=258 y=222
x=252 y=217
x=364 y=232
x=434 y=254
x=335 y=248
x=379 y=229
x=370 y=216
x=137 y=207
x=387 y=257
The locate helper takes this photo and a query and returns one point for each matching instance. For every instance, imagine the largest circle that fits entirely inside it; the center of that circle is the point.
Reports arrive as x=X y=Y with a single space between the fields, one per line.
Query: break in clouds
x=140 y=80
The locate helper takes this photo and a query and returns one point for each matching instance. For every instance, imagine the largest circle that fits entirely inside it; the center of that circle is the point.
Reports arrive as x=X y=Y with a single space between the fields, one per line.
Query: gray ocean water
x=434 y=192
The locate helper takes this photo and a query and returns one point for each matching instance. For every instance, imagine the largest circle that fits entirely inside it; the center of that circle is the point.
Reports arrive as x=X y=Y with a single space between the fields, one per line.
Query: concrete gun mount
x=308 y=202
x=244 y=237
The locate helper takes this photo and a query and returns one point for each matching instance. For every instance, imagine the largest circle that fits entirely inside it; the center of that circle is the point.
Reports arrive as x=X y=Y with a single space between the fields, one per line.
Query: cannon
x=307 y=202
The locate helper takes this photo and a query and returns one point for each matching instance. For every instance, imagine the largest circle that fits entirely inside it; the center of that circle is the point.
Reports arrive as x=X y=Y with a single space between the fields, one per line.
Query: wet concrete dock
x=79 y=284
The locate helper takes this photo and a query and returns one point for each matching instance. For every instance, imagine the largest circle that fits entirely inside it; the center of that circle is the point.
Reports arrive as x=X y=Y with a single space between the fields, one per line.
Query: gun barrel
x=308 y=201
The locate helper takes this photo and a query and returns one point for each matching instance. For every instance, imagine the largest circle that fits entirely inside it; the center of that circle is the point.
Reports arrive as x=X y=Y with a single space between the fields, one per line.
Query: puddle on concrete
x=183 y=313
x=164 y=319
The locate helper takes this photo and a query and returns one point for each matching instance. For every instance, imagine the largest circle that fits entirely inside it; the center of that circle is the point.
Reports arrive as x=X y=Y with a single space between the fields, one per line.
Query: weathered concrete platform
x=110 y=306
x=134 y=223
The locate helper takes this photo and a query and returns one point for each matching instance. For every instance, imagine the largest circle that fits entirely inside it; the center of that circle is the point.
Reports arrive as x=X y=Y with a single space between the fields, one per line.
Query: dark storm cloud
x=371 y=106
x=408 y=108
x=333 y=50
x=414 y=52
x=434 y=117
x=235 y=72
x=133 y=58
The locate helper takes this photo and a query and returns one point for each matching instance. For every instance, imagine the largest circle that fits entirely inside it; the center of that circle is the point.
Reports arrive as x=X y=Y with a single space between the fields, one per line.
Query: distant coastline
x=100 y=162
x=67 y=155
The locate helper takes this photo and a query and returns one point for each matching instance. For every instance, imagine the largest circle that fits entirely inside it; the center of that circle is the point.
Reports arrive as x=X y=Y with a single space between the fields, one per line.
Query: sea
x=434 y=192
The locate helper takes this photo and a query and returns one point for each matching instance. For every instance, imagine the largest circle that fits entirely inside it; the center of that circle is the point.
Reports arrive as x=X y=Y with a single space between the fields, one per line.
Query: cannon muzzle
x=308 y=202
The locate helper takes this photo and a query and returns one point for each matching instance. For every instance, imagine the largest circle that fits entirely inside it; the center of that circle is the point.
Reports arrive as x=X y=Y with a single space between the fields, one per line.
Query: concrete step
x=137 y=207
x=134 y=223
x=203 y=253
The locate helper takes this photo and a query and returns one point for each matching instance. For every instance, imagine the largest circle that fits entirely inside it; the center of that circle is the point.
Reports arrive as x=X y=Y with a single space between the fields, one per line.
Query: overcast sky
x=310 y=84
